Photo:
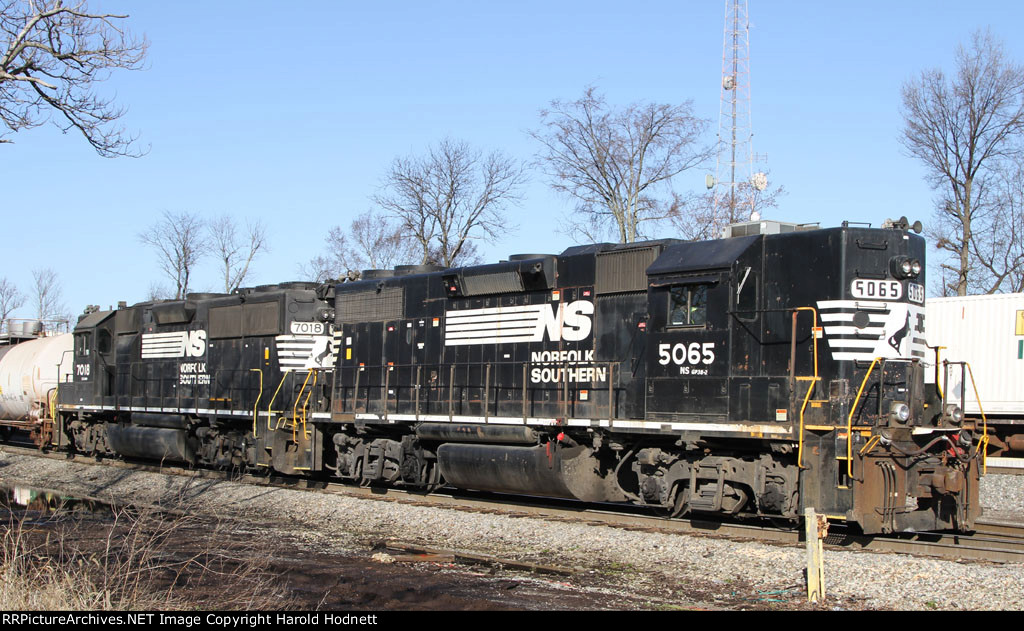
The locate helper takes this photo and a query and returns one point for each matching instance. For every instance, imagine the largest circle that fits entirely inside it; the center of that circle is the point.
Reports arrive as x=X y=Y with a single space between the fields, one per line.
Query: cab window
x=103 y=341
x=82 y=344
x=688 y=305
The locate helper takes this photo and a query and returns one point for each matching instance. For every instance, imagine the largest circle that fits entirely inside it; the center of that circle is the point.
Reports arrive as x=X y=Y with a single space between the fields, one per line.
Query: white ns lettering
x=196 y=344
x=575 y=322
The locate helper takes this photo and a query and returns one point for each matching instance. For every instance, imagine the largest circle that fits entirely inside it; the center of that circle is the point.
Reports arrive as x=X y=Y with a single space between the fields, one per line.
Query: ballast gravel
x=664 y=568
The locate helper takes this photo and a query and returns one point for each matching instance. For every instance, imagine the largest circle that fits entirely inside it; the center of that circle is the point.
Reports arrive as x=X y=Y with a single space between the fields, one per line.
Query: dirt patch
x=197 y=562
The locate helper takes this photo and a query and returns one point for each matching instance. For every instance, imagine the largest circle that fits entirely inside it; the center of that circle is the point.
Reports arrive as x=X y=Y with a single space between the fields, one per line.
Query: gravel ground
x=1002 y=497
x=664 y=567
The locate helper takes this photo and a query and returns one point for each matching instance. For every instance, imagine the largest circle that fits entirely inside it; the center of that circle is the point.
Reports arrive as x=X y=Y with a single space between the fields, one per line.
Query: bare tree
x=10 y=300
x=157 y=291
x=339 y=262
x=613 y=162
x=48 y=296
x=697 y=217
x=997 y=237
x=963 y=129
x=180 y=241
x=52 y=59
x=451 y=196
x=380 y=243
x=371 y=242
x=235 y=252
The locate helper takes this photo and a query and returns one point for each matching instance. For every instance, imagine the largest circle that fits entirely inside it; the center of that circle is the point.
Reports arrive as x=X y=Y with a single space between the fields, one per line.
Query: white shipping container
x=988 y=333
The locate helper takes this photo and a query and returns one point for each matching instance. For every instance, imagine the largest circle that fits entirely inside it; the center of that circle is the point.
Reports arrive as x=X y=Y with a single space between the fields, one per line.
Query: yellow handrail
x=53 y=404
x=800 y=446
x=814 y=382
x=255 y=406
x=305 y=404
x=938 y=382
x=983 y=443
x=270 y=413
x=870 y=444
x=849 y=419
x=295 y=407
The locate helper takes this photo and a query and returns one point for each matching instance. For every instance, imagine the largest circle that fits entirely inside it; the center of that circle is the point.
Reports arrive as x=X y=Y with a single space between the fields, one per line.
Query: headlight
x=954 y=412
x=900 y=412
x=902 y=267
x=964 y=438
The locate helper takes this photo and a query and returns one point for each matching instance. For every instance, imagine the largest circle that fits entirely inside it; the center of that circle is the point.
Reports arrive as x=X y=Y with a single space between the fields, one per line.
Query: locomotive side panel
x=192 y=380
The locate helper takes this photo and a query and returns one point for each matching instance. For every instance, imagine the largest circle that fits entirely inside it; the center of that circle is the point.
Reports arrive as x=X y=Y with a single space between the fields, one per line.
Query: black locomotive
x=757 y=375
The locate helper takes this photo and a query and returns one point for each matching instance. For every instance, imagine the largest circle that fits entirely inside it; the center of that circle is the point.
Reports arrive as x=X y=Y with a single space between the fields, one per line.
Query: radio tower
x=734 y=173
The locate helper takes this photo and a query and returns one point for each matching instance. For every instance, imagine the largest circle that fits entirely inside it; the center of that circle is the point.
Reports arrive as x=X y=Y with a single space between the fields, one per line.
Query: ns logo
x=195 y=344
x=570 y=322
x=174 y=344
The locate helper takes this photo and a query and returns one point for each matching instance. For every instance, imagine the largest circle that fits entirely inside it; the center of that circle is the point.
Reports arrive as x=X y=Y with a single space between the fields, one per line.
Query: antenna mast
x=734 y=173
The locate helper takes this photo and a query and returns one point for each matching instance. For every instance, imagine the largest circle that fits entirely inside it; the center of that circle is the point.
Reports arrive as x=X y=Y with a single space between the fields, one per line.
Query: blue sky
x=292 y=112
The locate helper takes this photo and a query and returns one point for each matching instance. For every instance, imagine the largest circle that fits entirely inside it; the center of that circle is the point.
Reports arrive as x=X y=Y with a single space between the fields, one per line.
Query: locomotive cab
x=698 y=295
x=94 y=358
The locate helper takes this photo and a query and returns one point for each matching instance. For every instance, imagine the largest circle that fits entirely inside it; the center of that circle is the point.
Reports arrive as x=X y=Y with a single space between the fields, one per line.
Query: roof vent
x=764 y=226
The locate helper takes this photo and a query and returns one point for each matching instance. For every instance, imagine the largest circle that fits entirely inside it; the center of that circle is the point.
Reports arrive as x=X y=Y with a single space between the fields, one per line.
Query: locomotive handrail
x=295 y=407
x=793 y=378
x=256 y=405
x=866 y=449
x=853 y=408
x=814 y=335
x=305 y=404
x=849 y=418
x=53 y=402
x=800 y=445
x=942 y=396
x=984 y=440
x=983 y=447
x=270 y=406
x=562 y=387
x=225 y=387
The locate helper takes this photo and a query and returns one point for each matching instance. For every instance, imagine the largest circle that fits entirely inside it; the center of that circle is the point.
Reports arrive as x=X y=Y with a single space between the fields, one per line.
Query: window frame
x=688 y=307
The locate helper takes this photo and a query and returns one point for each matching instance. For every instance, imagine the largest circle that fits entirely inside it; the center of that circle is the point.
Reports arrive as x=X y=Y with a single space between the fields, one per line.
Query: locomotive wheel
x=681 y=505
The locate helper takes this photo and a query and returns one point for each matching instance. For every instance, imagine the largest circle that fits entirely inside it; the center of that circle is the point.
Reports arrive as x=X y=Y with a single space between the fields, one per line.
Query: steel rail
x=992 y=541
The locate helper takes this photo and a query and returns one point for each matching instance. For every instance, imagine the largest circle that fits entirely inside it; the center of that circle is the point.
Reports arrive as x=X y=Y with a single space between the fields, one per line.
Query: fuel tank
x=29 y=373
x=546 y=470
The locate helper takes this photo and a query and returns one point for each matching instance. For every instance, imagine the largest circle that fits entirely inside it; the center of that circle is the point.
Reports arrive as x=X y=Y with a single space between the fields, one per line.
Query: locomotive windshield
x=688 y=305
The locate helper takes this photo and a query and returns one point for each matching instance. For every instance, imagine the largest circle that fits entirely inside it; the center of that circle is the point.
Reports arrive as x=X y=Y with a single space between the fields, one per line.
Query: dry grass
x=133 y=560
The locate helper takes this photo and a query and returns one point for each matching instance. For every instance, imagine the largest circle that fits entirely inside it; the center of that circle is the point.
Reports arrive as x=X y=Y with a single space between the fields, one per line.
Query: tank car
x=755 y=375
x=224 y=380
x=31 y=367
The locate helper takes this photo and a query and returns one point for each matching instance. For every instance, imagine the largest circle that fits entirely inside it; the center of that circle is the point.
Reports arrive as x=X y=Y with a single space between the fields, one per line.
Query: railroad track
x=992 y=541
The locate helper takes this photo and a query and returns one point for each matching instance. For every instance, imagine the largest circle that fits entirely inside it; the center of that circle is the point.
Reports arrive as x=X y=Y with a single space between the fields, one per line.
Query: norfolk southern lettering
x=571 y=366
